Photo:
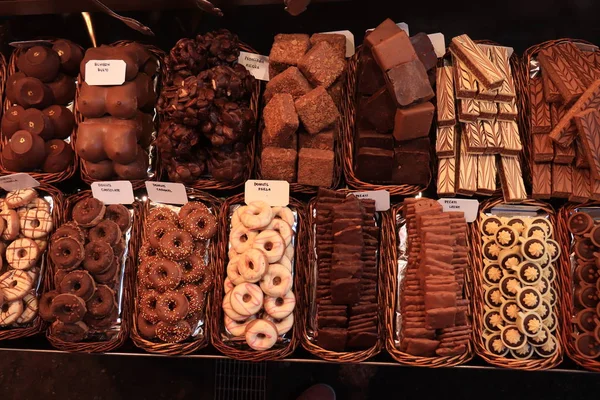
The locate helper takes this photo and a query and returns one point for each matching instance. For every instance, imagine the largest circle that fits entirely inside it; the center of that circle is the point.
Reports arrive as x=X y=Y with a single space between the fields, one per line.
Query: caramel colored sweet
x=39 y=62
x=289 y=81
x=408 y=83
x=315 y=167
x=63 y=89
x=59 y=155
x=280 y=119
x=580 y=223
x=335 y=40
x=322 y=65
x=383 y=31
x=394 y=50
x=380 y=110
x=370 y=138
x=287 y=50
x=29 y=148
x=70 y=56
x=11 y=120
x=413 y=122
x=38 y=123
x=316 y=110
x=138 y=169
x=62 y=120
x=279 y=164
x=101 y=171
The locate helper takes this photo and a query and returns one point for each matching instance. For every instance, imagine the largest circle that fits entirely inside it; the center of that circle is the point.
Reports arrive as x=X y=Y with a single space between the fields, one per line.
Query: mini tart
x=580 y=223
x=492 y=273
x=491 y=250
x=548 y=349
x=509 y=286
x=509 y=259
x=517 y=223
x=493 y=297
x=529 y=298
x=550 y=322
x=585 y=320
x=541 y=337
x=549 y=274
x=594 y=235
x=533 y=249
x=492 y=320
x=553 y=249
x=529 y=323
x=523 y=353
x=509 y=310
x=551 y=296
x=490 y=225
x=586 y=296
x=506 y=237
x=544 y=310
x=543 y=286
x=512 y=338
x=587 y=272
x=535 y=231
x=587 y=346
x=584 y=249
x=494 y=344
x=529 y=273
x=545 y=223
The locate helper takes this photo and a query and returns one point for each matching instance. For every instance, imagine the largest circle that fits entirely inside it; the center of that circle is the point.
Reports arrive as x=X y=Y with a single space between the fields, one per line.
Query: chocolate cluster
x=39 y=121
x=206 y=109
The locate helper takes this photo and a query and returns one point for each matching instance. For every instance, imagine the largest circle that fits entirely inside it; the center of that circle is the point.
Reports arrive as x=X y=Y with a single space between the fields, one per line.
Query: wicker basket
x=216 y=316
x=193 y=345
x=477 y=299
x=565 y=273
x=128 y=276
x=154 y=160
x=46 y=177
x=38 y=324
x=307 y=281
x=391 y=299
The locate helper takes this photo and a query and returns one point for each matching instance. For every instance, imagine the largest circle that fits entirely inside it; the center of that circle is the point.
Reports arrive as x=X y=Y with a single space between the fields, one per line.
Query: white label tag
x=350 y=47
x=105 y=72
x=114 y=192
x=17 y=182
x=381 y=197
x=274 y=193
x=166 y=192
x=439 y=43
x=469 y=207
x=256 y=64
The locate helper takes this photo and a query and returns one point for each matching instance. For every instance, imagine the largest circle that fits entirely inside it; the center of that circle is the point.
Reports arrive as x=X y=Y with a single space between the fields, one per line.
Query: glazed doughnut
x=285 y=214
x=30 y=309
x=201 y=224
x=69 y=332
x=88 y=212
x=45 y=305
x=34 y=274
x=22 y=254
x=238 y=328
x=252 y=265
x=173 y=333
x=10 y=312
x=277 y=281
x=205 y=284
x=161 y=214
x=11 y=231
x=80 y=283
x=261 y=334
x=233 y=273
x=285 y=262
x=102 y=323
x=147 y=251
x=271 y=243
x=246 y=299
x=36 y=224
x=119 y=249
x=172 y=306
x=283 y=325
x=67 y=253
x=118 y=214
x=106 y=231
x=110 y=273
x=70 y=230
x=164 y=274
x=38 y=203
x=280 y=307
x=68 y=308
x=289 y=252
x=176 y=244
x=102 y=302
x=147 y=303
x=235 y=217
x=283 y=228
x=242 y=238
x=228 y=285
x=157 y=230
x=229 y=311
x=2 y=225
x=19 y=198
x=15 y=284
x=193 y=269
x=144 y=271
x=146 y=328
x=194 y=297
x=231 y=254
x=99 y=257
x=257 y=215
x=189 y=208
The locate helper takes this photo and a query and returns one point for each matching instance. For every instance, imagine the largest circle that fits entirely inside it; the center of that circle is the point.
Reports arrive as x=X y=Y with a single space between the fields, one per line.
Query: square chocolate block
x=424 y=49
x=384 y=30
x=409 y=83
x=322 y=65
x=345 y=291
x=322 y=140
x=380 y=110
x=278 y=164
x=333 y=339
x=281 y=120
x=374 y=165
x=335 y=40
x=291 y=144
x=413 y=122
x=370 y=76
x=315 y=167
x=421 y=145
x=289 y=81
x=439 y=318
x=316 y=110
x=394 y=50
x=287 y=50
x=370 y=138
x=411 y=168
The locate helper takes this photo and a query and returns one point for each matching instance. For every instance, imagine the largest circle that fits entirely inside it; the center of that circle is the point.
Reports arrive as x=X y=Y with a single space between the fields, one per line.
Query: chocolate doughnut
x=189 y=208
x=193 y=269
x=148 y=302
x=106 y=231
x=176 y=244
x=109 y=275
x=70 y=230
x=119 y=214
x=67 y=253
x=119 y=249
x=201 y=224
x=173 y=333
x=144 y=271
x=75 y=332
x=98 y=257
x=164 y=274
x=161 y=214
x=157 y=230
x=194 y=297
x=172 y=307
x=68 y=308
x=80 y=283
x=146 y=328
x=102 y=302
x=88 y=212
x=102 y=323
x=45 y=305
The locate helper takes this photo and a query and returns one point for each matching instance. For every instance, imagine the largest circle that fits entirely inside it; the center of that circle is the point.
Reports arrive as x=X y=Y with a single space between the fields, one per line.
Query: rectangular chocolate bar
x=585 y=71
x=468 y=110
x=507 y=111
x=562 y=179
x=487 y=110
x=477 y=62
x=446 y=115
x=507 y=92
x=562 y=74
x=486 y=174
x=467 y=170
x=445 y=142
x=588 y=125
x=476 y=141
x=464 y=81
x=564 y=155
x=487 y=94
x=543 y=149
x=542 y=180
x=581 y=160
x=540 y=111
x=551 y=94
x=511 y=177
x=446 y=177
x=511 y=140
x=492 y=135
x=581 y=185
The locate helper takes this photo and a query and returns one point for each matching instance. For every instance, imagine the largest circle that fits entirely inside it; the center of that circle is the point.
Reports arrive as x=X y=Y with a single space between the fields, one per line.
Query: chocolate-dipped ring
x=229 y=311
x=237 y=328
x=490 y=225
x=45 y=305
x=67 y=253
x=587 y=346
x=68 y=308
x=585 y=319
x=528 y=298
x=119 y=214
x=194 y=297
x=597 y=331
x=161 y=214
x=157 y=230
x=201 y=224
x=102 y=302
x=285 y=214
x=106 y=231
x=584 y=249
x=246 y=299
x=283 y=325
x=283 y=228
x=257 y=215
x=242 y=238
x=30 y=309
x=553 y=249
x=529 y=323
x=492 y=320
x=594 y=235
x=280 y=307
x=193 y=269
x=172 y=307
x=509 y=286
x=512 y=338
x=533 y=249
x=509 y=259
x=15 y=284
x=491 y=250
x=164 y=274
x=70 y=230
x=509 y=310
x=261 y=334
x=99 y=257
x=22 y=254
x=252 y=265
x=271 y=243
x=176 y=244
x=529 y=273
x=586 y=297
x=494 y=344
x=75 y=332
x=10 y=312
x=580 y=223
x=233 y=272
x=79 y=283
x=173 y=333
x=147 y=303
x=146 y=328
x=88 y=212
x=191 y=206
x=277 y=281
x=493 y=296
x=506 y=237
x=111 y=272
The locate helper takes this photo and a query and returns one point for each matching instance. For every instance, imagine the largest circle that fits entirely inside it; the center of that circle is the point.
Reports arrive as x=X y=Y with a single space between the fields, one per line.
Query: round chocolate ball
x=31 y=92
x=10 y=160
x=70 y=56
x=62 y=119
x=101 y=171
x=29 y=148
x=136 y=170
x=11 y=83
x=59 y=155
x=39 y=62
x=38 y=123
x=11 y=120
x=63 y=89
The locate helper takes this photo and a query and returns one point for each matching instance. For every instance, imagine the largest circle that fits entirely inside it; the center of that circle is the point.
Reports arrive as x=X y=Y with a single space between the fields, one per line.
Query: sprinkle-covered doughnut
x=193 y=269
x=161 y=214
x=172 y=306
x=201 y=224
x=176 y=244
x=173 y=333
x=157 y=229
x=194 y=297
x=148 y=301
x=146 y=328
x=190 y=207
x=164 y=274
x=68 y=308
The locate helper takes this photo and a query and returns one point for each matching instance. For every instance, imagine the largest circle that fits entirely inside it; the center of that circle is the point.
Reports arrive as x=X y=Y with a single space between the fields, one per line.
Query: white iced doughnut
x=10 y=312
x=238 y=328
x=277 y=281
x=289 y=252
x=246 y=299
x=229 y=311
x=242 y=238
x=233 y=272
x=285 y=214
x=257 y=215
x=283 y=228
x=228 y=285
x=261 y=334
x=232 y=253
x=30 y=309
x=235 y=217
x=283 y=325
x=280 y=307
x=252 y=265
x=271 y=243
x=285 y=262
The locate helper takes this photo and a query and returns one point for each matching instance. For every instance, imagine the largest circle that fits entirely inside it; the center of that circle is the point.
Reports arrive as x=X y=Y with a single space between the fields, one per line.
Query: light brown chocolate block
x=445 y=143
x=315 y=167
x=446 y=177
x=446 y=114
x=467 y=170
x=281 y=120
x=322 y=140
x=486 y=174
x=316 y=110
x=289 y=81
x=511 y=177
x=287 y=50
x=322 y=65
x=278 y=164
x=335 y=40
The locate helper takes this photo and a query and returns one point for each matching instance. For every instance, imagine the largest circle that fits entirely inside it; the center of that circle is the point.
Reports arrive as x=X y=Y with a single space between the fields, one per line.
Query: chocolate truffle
x=424 y=49
x=287 y=50
x=11 y=83
x=31 y=92
x=59 y=155
x=11 y=120
x=62 y=120
x=335 y=40
x=374 y=165
x=29 y=148
x=315 y=167
x=280 y=119
x=38 y=123
x=394 y=50
x=380 y=111
x=10 y=160
x=63 y=89
x=370 y=138
x=370 y=76
x=278 y=164
x=289 y=81
x=409 y=83
x=39 y=62
x=70 y=56
x=322 y=65
x=138 y=169
x=316 y=110
x=384 y=30
x=323 y=140
x=413 y=122
x=100 y=171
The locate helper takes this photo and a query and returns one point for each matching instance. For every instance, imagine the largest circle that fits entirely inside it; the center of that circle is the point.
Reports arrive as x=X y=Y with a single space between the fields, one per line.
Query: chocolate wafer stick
x=445 y=143
x=588 y=125
x=581 y=185
x=464 y=80
x=486 y=73
x=446 y=115
x=562 y=180
x=540 y=111
x=562 y=74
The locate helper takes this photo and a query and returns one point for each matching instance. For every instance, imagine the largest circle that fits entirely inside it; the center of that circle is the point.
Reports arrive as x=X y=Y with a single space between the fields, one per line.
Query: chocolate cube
x=370 y=138
x=394 y=50
x=335 y=91
x=384 y=30
x=287 y=50
x=380 y=110
x=322 y=65
x=409 y=83
x=374 y=165
x=411 y=168
x=333 y=339
x=420 y=145
x=424 y=49
x=289 y=81
x=290 y=144
x=335 y=40
x=281 y=120
x=315 y=167
x=278 y=164
x=316 y=110
x=413 y=122
x=440 y=300
x=370 y=76
x=345 y=291
x=322 y=140
x=439 y=318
